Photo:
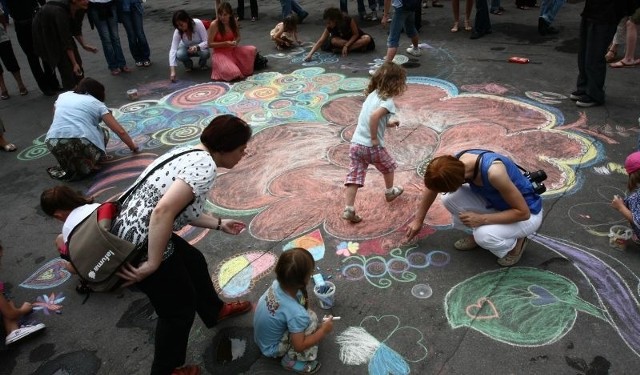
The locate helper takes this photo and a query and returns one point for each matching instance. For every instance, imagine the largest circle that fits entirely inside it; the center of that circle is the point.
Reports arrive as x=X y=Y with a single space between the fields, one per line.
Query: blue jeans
x=495 y=5
x=402 y=19
x=292 y=5
x=374 y=5
x=183 y=55
x=133 y=25
x=550 y=8
x=108 y=32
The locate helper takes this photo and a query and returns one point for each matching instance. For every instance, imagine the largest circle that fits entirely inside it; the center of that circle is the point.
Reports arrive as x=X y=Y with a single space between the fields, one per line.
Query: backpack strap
x=476 y=168
x=126 y=194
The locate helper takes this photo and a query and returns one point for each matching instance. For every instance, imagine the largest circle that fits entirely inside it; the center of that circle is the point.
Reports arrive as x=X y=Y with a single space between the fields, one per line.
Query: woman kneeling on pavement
x=76 y=138
x=487 y=193
x=175 y=276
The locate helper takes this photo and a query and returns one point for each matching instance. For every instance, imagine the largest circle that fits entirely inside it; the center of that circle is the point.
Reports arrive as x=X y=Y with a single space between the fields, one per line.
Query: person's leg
x=362 y=11
x=595 y=66
x=114 y=36
x=393 y=41
x=203 y=57
x=253 y=4
x=11 y=314
x=105 y=39
x=173 y=296
x=632 y=37
x=286 y=8
x=358 y=164
x=302 y=14
x=208 y=304
x=500 y=239
x=4 y=93
x=410 y=29
x=25 y=40
x=468 y=7
x=344 y=6
x=495 y=6
x=126 y=18
x=11 y=63
x=482 y=24
x=455 y=7
x=137 y=14
x=240 y=9
x=183 y=56
x=463 y=200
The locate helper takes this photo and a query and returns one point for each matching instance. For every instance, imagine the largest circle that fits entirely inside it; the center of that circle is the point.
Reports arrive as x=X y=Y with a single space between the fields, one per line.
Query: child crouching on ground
x=285 y=34
x=367 y=143
x=283 y=324
x=629 y=207
x=12 y=315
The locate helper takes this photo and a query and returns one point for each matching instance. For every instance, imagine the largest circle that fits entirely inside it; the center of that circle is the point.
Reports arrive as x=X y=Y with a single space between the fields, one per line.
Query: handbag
x=97 y=254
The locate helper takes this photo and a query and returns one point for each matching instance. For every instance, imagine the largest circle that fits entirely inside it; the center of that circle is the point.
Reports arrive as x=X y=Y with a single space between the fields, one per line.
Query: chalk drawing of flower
x=50 y=303
x=294 y=179
x=347 y=248
x=359 y=347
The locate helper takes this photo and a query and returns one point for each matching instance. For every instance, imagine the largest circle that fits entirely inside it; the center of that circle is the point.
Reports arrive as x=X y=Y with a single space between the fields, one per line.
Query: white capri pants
x=497 y=238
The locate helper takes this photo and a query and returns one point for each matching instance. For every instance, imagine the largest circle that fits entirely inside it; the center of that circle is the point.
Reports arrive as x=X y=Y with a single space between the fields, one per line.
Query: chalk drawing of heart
x=50 y=275
x=542 y=296
x=473 y=311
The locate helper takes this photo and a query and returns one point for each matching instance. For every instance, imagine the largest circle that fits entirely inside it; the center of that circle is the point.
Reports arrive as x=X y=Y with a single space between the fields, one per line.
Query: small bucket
x=132 y=94
x=618 y=236
x=326 y=294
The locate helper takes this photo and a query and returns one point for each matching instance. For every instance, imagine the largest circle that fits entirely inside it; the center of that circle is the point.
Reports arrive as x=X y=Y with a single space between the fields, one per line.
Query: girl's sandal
x=454 y=29
x=467 y=25
x=300 y=367
x=611 y=55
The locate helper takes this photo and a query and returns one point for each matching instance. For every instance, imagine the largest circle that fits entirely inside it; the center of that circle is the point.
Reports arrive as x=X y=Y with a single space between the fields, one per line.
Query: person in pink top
x=230 y=61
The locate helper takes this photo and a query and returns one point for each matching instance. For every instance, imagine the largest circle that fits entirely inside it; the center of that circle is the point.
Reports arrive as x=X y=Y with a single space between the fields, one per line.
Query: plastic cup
x=132 y=94
x=325 y=294
x=618 y=236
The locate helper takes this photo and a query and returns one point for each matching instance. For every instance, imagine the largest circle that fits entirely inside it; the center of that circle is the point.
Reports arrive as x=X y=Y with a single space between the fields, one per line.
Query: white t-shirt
x=362 y=134
x=75 y=217
x=198 y=37
x=197 y=169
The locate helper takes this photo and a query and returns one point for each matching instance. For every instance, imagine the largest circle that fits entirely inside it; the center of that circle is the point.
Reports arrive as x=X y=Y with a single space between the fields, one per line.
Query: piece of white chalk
x=333 y=318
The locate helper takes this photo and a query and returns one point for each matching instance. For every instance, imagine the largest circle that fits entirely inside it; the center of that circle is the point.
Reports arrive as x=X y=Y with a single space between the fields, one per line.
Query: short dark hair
x=333 y=14
x=444 y=174
x=226 y=133
x=62 y=197
x=92 y=87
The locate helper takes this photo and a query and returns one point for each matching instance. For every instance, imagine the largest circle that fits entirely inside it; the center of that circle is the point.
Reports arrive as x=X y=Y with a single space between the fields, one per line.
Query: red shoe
x=187 y=370
x=234 y=308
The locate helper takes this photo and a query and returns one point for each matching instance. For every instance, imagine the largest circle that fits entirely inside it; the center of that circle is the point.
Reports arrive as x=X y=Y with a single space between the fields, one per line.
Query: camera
x=536 y=179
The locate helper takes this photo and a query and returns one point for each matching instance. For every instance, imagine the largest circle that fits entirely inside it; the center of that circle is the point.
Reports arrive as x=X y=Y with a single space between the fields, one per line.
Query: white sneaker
x=413 y=51
x=374 y=16
x=23 y=332
x=395 y=192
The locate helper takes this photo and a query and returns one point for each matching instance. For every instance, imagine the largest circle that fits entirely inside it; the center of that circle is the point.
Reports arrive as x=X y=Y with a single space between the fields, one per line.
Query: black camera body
x=536 y=179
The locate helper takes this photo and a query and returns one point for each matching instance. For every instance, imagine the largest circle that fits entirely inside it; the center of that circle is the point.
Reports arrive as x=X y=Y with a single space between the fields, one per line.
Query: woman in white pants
x=487 y=193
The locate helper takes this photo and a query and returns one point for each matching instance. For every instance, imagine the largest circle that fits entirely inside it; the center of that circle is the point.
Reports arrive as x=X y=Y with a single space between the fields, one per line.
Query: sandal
x=350 y=215
x=9 y=147
x=4 y=95
x=612 y=52
x=466 y=244
x=234 y=308
x=24 y=91
x=511 y=259
x=300 y=367
x=115 y=72
x=467 y=25
x=125 y=69
x=57 y=173
x=454 y=29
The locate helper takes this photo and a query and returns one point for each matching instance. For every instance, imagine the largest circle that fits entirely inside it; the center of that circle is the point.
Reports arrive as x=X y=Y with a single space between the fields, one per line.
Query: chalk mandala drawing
x=296 y=55
x=545 y=97
x=380 y=272
x=487 y=88
x=519 y=306
x=609 y=168
x=609 y=279
x=49 y=303
x=312 y=242
x=359 y=347
x=422 y=291
x=236 y=276
x=597 y=215
x=49 y=275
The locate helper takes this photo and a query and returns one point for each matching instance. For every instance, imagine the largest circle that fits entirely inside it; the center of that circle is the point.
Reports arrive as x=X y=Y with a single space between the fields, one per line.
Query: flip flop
x=9 y=147
x=622 y=64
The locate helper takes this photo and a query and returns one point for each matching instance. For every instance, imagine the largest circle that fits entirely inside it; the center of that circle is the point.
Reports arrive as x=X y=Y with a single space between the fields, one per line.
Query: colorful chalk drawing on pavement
x=236 y=275
x=49 y=303
x=49 y=275
x=597 y=216
x=381 y=352
x=532 y=307
x=381 y=272
x=312 y=242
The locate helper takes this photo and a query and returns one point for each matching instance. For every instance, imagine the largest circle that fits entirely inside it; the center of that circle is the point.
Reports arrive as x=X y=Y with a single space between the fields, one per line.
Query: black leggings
x=179 y=288
x=8 y=58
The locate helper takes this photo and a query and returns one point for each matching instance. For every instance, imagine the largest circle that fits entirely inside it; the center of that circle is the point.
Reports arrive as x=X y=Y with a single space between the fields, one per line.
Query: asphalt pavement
x=570 y=306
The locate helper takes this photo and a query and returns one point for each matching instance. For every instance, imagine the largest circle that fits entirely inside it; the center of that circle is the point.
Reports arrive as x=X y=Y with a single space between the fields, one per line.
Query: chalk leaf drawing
x=312 y=242
x=49 y=275
x=609 y=279
x=236 y=275
x=381 y=272
x=49 y=303
x=359 y=347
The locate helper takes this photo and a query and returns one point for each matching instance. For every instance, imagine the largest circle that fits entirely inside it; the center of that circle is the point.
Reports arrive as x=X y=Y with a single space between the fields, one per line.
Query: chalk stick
x=333 y=318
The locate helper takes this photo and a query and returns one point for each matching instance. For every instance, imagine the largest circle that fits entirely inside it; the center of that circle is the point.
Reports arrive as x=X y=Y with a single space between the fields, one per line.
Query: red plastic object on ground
x=519 y=60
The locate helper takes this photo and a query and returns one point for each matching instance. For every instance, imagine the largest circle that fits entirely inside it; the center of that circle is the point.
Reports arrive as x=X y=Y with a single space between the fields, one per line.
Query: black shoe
x=479 y=34
x=576 y=95
x=543 y=26
x=302 y=16
x=585 y=101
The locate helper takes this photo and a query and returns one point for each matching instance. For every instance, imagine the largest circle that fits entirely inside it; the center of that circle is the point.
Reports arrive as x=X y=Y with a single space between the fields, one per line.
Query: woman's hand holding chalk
x=332 y=318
